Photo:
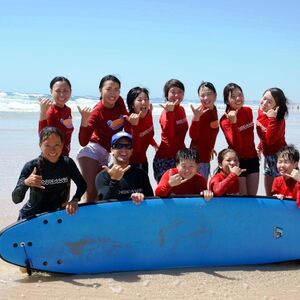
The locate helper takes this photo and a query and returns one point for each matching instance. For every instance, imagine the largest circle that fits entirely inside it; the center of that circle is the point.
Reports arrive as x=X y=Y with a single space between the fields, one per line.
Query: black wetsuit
x=135 y=180
x=56 y=178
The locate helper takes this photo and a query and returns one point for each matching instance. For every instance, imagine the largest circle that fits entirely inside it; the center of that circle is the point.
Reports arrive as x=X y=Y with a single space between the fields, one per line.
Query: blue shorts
x=161 y=165
x=270 y=166
x=204 y=169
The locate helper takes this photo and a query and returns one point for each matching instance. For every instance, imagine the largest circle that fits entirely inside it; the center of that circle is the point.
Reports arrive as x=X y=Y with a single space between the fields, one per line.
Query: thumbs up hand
x=34 y=180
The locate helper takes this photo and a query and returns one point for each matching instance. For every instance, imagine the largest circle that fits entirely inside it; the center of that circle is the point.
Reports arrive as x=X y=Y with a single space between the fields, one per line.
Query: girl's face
x=230 y=159
x=141 y=103
x=175 y=93
x=110 y=92
x=207 y=97
x=236 y=99
x=187 y=168
x=285 y=166
x=61 y=93
x=267 y=102
x=51 y=148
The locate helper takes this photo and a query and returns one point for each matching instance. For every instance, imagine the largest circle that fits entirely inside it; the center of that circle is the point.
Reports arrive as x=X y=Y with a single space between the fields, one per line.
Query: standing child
x=49 y=178
x=238 y=127
x=287 y=185
x=56 y=113
x=184 y=179
x=205 y=126
x=270 y=127
x=96 y=130
x=141 y=127
x=225 y=181
x=174 y=126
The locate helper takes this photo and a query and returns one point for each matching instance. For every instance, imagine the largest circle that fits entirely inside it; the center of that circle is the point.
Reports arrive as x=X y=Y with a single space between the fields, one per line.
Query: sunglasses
x=122 y=146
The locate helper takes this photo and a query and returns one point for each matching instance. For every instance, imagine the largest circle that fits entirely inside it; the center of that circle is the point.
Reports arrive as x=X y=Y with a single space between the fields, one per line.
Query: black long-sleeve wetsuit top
x=135 y=180
x=56 y=178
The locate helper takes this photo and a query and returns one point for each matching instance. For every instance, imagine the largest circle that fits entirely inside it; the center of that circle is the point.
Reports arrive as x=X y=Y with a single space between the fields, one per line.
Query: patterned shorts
x=270 y=166
x=161 y=165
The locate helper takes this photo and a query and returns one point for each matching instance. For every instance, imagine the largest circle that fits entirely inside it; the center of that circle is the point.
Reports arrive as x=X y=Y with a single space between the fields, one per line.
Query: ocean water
x=20 y=111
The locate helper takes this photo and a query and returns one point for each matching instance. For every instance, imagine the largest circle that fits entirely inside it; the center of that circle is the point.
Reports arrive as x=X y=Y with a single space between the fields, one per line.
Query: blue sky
x=253 y=43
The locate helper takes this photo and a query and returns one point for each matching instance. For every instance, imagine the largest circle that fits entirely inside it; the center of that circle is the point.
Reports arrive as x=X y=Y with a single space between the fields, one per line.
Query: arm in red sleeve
x=85 y=133
x=276 y=187
x=231 y=133
x=275 y=131
x=194 y=130
x=167 y=123
x=163 y=188
x=153 y=143
x=220 y=186
x=42 y=124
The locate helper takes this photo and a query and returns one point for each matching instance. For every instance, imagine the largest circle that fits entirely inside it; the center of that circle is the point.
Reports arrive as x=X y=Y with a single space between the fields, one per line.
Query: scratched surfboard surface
x=158 y=234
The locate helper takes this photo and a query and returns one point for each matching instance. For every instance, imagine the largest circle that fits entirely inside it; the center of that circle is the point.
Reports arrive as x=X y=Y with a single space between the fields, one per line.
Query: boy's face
x=187 y=168
x=285 y=166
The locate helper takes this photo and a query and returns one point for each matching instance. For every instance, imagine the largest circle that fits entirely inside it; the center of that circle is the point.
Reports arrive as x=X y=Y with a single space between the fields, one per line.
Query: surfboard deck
x=158 y=234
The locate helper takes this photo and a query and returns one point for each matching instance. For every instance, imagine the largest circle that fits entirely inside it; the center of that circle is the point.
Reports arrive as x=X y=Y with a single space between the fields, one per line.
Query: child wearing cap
x=120 y=180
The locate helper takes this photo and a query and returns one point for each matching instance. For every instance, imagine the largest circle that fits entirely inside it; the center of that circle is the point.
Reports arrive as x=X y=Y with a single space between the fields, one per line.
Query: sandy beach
x=20 y=144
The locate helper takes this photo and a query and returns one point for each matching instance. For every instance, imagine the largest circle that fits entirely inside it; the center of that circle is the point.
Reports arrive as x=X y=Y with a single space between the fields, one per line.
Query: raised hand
x=45 y=103
x=133 y=119
x=295 y=174
x=137 y=198
x=116 y=172
x=34 y=180
x=175 y=179
x=272 y=113
x=232 y=116
x=198 y=112
x=213 y=154
x=85 y=113
x=236 y=170
x=169 y=106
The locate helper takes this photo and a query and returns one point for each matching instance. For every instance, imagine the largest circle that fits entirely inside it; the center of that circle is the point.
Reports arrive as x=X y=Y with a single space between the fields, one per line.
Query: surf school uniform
x=135 y=180
x=61 y=118
x=174 y=126
x=240 y=137
x=103 y=123
x=289 y=188
x=142 y=136
x=204 y=134
x=193 y=186
x=271 y=133
x=56 y=178
x=222 y=184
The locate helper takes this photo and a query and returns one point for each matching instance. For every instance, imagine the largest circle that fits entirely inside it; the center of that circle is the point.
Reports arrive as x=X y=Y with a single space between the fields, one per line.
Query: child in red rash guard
x=96 y=130
x=184 y=179
x=288 y=184
x=225 y=181
x=141 y=128
x=174 y=126
x=205 y=126
x=238 y=128
x=270 y=127
x=56 y=113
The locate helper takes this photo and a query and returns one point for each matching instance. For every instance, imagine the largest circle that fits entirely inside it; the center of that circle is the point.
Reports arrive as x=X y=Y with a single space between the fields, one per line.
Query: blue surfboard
x=158 y=234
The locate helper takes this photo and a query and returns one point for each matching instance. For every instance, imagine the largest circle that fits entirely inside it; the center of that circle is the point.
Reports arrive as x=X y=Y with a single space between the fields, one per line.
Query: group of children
x=177 y=169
